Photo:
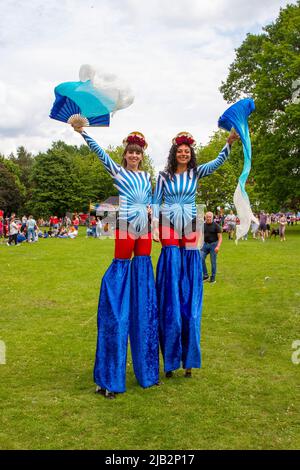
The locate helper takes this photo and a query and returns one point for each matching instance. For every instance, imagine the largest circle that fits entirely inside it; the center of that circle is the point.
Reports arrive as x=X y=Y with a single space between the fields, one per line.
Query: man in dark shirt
x=212 y=243
x=262 y=225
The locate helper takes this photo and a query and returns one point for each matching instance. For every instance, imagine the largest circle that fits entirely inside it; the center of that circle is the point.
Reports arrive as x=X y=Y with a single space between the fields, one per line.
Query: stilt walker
x=179 y=270
x=127 y=302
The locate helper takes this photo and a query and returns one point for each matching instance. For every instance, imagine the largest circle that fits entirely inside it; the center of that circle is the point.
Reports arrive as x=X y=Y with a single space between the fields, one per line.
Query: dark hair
x=132 y=148
x=171 y=165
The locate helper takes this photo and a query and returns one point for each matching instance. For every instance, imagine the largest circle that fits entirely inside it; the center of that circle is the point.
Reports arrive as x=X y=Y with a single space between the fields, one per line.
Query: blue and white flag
x=236 y=116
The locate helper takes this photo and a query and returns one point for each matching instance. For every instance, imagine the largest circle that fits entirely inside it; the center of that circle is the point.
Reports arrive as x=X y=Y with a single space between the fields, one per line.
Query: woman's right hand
x=233 y=136
x=77 y=129
x=77 y=122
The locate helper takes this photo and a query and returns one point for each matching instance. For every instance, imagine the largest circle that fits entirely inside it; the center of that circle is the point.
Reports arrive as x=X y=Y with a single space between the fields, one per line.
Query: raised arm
x=208 y=168
x=112 y=167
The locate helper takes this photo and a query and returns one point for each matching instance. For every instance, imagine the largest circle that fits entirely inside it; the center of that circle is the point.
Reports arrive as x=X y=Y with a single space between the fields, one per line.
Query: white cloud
x=174 y=54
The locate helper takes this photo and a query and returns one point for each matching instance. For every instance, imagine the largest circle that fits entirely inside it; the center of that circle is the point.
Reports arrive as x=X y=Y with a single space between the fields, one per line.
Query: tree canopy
x=66 y=178
x=267 y=68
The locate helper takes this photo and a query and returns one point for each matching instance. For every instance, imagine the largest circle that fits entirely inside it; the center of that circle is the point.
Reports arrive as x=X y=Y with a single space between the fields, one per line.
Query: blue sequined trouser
x=179 y=295
x=127 y=305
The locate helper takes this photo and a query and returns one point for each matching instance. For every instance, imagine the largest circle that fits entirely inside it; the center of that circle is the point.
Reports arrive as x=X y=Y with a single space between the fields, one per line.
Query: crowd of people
x=265 y=225
x=29 y=230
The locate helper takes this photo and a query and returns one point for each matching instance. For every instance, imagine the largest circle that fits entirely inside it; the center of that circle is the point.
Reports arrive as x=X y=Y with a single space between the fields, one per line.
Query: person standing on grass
x=30 y=224
x=75 y=221
x=127 y=302
x=231 y=222
x=24 y=222
x=282 y=225
x=1 y=225
x=13 y=231
x=262 y=225
x=268 y=225
x=98 y=227
x=211 y=246
x=94 y=226
x=179 y=269
x=254 y=228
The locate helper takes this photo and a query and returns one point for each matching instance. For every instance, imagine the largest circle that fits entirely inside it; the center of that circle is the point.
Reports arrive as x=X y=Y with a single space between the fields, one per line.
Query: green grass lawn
x=246 y=396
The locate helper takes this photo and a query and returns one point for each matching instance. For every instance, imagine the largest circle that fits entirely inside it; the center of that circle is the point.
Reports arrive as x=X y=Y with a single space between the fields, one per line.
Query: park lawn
x=246 y=396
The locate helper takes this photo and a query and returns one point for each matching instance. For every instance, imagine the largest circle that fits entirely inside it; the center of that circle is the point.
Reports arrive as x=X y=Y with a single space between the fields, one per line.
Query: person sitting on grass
x=72 y=232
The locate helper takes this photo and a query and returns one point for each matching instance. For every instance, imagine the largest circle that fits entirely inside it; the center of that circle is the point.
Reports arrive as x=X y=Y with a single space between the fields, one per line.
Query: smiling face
x=133 y=158
x=183 y=154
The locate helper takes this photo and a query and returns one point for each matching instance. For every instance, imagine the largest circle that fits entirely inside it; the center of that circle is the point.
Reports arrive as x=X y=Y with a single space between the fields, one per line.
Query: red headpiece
x=184 y=138
x=135 y=138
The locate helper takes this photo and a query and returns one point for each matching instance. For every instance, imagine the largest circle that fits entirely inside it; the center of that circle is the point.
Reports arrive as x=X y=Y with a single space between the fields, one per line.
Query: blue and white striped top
x=134 y=188
x=175 y=198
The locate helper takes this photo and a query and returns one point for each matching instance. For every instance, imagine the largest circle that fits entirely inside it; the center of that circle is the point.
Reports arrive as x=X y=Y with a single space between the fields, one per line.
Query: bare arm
x=220 y=239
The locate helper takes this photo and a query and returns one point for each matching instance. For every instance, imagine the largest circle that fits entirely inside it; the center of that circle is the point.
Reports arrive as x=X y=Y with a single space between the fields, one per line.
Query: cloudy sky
x=173 y=53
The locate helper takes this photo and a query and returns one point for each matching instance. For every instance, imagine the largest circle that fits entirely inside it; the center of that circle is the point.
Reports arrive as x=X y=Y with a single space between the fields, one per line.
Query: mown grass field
x=246 y=396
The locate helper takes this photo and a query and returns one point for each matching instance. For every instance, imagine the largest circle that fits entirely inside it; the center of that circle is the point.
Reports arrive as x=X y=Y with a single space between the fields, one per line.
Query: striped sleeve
x=108 y=163
x=157 y=197
x=208 y=168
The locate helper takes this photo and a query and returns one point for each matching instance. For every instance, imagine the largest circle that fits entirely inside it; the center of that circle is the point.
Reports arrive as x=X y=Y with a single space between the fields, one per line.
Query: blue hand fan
x=90 y=101
x=81 y=99
x=236 y=116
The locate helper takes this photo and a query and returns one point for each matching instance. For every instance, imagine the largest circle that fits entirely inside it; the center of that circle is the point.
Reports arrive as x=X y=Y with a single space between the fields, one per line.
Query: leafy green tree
x=12 y=191
x=266 y=67
x=67 y=178
x=51 y=177
x=24 y=160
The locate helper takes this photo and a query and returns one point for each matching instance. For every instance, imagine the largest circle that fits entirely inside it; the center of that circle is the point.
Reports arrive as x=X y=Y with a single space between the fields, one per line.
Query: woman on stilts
x=127 y=302
x=179 y=270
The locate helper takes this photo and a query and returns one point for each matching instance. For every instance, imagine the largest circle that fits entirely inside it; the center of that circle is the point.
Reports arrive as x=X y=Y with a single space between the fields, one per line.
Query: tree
x=66 y=178
x=52 y=182
x=24 y=160
x=11 y=189
x=266 y=67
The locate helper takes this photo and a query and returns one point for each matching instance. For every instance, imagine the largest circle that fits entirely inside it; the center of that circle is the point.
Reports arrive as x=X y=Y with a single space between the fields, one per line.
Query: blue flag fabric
x=81 y=98
x=236 y=116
